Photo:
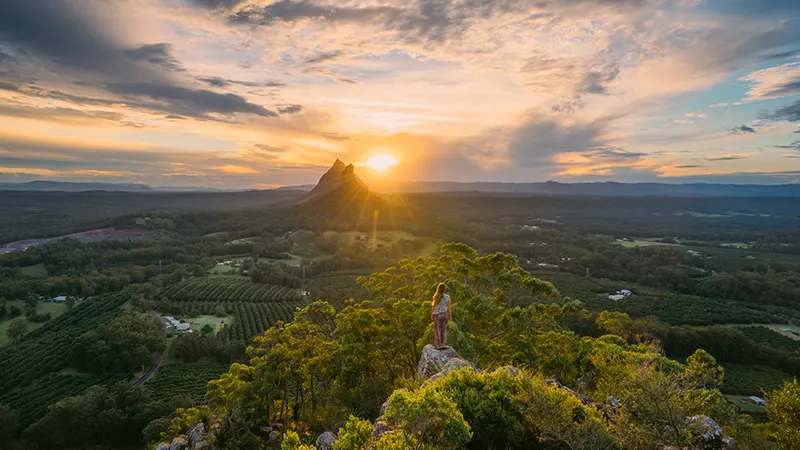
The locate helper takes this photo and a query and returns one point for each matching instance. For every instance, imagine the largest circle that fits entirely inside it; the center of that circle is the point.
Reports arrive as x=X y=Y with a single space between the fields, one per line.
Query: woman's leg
x=443 y=337
x=435 y=331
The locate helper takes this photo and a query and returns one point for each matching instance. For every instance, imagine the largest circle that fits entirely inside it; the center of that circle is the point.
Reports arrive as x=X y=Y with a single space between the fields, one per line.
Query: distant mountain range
x=66 y=186
x=334 y=178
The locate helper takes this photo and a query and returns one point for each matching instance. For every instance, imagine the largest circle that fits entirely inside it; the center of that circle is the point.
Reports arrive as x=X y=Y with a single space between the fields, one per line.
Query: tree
x=428 y=419
x=783 y=410
x=3 y=308
x=17 y=329
x=207 y=328
x=355 y=435
x=70 y=302
x=14 y=311
x=9 y=422
x=123 y=344
x=614 y=322
x=31 y=300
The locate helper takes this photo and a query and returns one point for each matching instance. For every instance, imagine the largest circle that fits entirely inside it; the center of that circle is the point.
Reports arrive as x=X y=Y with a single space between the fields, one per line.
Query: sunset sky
x=258 y=94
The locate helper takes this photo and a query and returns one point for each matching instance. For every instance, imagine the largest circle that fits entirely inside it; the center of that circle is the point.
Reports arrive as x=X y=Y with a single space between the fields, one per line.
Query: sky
x=255 y=94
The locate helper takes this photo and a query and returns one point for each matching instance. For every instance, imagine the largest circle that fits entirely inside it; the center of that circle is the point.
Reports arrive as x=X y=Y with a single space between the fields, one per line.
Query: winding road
x=159 y=357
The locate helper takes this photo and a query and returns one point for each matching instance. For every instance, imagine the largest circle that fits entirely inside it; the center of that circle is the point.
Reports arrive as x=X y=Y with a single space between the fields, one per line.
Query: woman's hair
x=437 y=297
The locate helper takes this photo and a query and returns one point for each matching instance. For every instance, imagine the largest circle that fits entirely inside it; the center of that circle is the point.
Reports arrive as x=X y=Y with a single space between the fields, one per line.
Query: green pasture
x=36 y=270
x=745 y=405
x=55 y=310
x=197 y=323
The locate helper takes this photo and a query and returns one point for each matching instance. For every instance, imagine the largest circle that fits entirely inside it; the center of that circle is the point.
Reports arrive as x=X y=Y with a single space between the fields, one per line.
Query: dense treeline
x=126 y=344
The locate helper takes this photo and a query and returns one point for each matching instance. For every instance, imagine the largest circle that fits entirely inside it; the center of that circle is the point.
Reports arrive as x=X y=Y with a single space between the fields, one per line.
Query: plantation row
x=32 y=401
x=229 y=289
x=251 y=319
x=49 y=348
x=752 y=380
x=184 y=379
x=772 y=338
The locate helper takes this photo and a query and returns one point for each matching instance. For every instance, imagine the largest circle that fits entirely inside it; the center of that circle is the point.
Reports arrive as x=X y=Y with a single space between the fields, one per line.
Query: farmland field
x=229 y=289
x=184 y=379
x=752 y=380
x=294 y=260
x=793 y=333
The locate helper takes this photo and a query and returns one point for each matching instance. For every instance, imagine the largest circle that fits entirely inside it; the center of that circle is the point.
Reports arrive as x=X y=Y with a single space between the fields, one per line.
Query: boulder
x=196 y=437
x=433 y=360
x=179 y=443
x=325 y=441
x=274 y=436
x=709 y=435
x=163 y=446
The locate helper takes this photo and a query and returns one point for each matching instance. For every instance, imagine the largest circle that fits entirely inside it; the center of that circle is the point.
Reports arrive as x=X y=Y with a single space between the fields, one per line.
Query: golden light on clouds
x=237 y=170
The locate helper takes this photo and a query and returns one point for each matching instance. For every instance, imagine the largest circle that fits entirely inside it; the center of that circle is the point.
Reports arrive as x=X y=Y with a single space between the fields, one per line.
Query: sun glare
x=379 y=162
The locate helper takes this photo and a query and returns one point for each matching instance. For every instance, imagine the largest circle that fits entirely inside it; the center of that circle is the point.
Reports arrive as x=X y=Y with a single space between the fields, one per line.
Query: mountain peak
x=336 y=177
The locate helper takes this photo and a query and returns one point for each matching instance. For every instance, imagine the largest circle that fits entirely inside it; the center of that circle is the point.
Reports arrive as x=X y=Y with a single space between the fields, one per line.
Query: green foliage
x=291 y=441
x=428 y=419
x=614 y=322
x=125 y=344
x=33 y=400
x=783 y=409
x=9 y=422
x=107 y=417
x=355 y=435
x=17 y=329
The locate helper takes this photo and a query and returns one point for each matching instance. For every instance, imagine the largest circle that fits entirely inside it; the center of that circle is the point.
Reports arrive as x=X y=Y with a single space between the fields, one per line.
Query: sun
x=379 y=162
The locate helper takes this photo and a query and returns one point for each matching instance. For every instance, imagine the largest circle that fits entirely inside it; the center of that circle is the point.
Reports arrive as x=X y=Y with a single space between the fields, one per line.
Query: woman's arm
x=450 y=309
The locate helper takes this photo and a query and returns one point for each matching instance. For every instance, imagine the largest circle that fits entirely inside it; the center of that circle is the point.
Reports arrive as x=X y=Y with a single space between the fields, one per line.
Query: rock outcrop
x=325 y=441
x=438 y=362
x=194 y=440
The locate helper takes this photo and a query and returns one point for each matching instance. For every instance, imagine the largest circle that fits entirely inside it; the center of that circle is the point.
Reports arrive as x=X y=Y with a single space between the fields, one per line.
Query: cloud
x=742 y=129
x=789 y=112
x=320 y=57
x=793 y=146
x=189 y=102
x=729 y=157
x=159 y=54
x=695 y=115
x=225 y=82
x=216 y=4
x=66 y=33
x=683 y=121
x=773 y=82
x=290 y=109
x=690 y=166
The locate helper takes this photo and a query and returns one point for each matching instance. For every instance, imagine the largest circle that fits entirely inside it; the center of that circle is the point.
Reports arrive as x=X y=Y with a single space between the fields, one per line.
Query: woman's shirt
x=442 y=306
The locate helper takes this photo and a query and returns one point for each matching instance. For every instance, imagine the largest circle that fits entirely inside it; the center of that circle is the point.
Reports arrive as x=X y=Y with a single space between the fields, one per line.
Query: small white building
x=183 y=327
x=616 y=297
x=60 y=299
x=757 y=400
x=625 y=292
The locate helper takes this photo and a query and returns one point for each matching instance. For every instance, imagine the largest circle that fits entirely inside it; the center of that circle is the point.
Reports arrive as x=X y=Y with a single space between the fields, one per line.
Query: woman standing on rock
x=441 y=314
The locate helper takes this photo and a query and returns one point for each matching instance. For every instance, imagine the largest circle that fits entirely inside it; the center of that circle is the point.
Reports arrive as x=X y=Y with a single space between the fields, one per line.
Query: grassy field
x=640 y=243
x=347 y=237
x=36 y=270
x=55 y=310
x=199 y=322
x=742 y=402
x=293 y=261
x=223 y=270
